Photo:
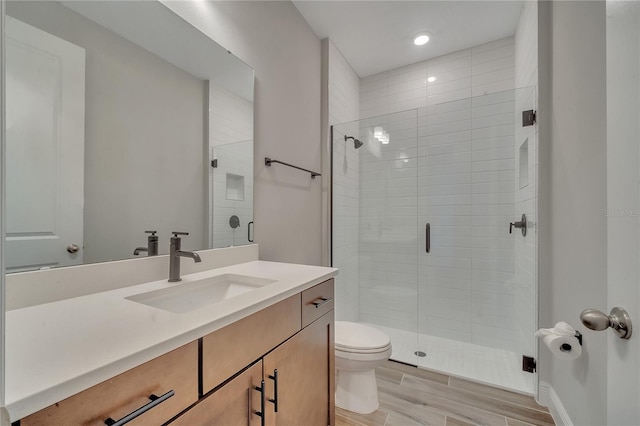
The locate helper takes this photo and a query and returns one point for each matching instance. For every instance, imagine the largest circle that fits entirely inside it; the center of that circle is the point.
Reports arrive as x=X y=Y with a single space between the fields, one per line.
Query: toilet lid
x=352 y=335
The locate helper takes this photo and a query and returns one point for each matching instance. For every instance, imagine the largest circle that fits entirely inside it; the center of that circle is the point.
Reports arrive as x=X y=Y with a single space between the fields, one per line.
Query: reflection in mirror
x=114 y=128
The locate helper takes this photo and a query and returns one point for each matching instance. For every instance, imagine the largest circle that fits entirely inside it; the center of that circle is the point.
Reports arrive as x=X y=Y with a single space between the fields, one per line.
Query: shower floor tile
x=481 y=364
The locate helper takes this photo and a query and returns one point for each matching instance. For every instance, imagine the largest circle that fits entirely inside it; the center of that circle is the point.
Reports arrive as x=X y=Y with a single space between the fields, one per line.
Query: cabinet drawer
x=123 y=394
x=232 y=348
x=317 y=301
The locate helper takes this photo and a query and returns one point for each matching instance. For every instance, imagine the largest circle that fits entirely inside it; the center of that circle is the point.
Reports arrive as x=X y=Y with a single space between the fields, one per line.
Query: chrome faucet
x=152 y=245
x=175 y=254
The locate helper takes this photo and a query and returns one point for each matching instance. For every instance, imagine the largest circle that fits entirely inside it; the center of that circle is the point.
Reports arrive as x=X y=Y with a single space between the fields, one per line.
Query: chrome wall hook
x=618 y=320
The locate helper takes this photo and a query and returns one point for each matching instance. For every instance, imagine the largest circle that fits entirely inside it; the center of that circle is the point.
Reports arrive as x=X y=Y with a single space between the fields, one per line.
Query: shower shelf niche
x=235 y=187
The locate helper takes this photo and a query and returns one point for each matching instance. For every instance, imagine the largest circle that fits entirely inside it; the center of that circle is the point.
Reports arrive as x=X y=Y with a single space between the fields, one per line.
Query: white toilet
x=359 y=350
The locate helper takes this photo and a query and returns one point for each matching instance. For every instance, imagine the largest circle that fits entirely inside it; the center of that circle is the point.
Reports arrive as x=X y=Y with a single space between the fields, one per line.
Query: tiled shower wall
x=464 y=182
x=343 y=108
x=231 y=143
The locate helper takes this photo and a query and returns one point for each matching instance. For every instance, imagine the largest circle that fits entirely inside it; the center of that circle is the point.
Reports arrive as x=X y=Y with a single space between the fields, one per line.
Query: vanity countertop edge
x=58 y=349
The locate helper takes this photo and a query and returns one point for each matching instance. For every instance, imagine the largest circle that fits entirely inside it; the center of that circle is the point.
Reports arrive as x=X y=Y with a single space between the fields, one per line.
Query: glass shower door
x=374 y=226
x=477 y=281
x=231 y=194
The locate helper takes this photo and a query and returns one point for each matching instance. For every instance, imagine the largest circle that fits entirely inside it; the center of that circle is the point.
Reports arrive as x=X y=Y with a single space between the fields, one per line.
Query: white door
x=45 y=148
x=623 y=207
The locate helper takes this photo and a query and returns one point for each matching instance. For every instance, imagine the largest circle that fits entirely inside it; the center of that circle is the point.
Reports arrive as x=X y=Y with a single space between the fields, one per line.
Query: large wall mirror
x=121 y=118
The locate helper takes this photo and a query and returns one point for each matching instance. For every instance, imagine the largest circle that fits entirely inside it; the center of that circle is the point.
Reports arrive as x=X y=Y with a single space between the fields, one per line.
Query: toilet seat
x=363 y=351
x=359 y=338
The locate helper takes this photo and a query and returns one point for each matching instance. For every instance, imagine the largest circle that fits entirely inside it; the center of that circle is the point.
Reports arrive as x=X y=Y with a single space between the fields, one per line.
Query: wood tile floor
x=411 y=396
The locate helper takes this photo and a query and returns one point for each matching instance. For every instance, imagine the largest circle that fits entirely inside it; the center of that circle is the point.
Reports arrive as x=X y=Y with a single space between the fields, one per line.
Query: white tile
x=452 y=61
x=498 y=64
x=451 y=148
x=494 y=154
x=454 y=137
x=493 y=176
x=458 y=157
x=449 y=86
x=499 y=86
x=450 y=116
x=450 y=96
x=446 y=75
x=494 y=98
x=492 y=165
x=493 y=76
x=408 y=95
x=479 y=57
x=508 y=41
x=507 y=107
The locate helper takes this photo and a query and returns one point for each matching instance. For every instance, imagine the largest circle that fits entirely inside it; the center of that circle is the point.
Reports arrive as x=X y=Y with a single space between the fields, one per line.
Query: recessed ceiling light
x=431 y=79
x=421 y=39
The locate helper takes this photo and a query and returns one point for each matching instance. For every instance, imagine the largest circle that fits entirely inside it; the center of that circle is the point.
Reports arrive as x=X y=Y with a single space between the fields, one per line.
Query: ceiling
x=376 y=36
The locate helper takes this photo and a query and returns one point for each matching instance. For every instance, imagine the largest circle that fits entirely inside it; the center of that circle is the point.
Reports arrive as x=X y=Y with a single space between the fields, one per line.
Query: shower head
x=356 y=142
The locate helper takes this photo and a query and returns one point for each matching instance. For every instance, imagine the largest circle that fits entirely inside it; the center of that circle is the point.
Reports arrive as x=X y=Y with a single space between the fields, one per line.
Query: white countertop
x=58 y=349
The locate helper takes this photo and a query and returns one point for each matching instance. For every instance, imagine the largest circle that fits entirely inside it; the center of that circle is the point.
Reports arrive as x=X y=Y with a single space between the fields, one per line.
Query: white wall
x=274 y=39
x=572 y=176
x=343 y=107
x=134 y=135
x=464 y=183
x=526 y=81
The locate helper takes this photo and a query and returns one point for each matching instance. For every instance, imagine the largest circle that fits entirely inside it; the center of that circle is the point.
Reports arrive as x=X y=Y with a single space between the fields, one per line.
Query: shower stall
x=429 y=236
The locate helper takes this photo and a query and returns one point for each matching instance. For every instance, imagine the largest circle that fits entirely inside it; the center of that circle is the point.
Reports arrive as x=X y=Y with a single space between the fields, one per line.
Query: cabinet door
x=233 y=404
x=305 y=379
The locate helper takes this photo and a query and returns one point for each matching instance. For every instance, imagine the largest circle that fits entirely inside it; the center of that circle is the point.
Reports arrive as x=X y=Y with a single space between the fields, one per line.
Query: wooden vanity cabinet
x=218 y=379
x=175 y=371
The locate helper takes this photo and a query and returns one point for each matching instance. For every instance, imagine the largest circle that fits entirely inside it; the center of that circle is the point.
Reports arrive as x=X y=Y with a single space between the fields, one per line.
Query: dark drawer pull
x=261 y=412
x=323 y=301
x=155 y=400
x=274 y=401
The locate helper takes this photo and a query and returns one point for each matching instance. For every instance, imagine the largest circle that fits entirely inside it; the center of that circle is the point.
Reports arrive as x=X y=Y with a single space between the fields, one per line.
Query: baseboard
x=549 y=398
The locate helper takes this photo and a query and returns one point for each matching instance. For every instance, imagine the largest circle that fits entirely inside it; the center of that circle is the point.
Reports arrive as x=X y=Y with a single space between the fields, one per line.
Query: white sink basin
x=189 y=296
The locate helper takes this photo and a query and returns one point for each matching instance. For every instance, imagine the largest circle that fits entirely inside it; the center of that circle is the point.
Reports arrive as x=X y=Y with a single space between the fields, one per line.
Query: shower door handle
x=427 y=237
x=521 y=224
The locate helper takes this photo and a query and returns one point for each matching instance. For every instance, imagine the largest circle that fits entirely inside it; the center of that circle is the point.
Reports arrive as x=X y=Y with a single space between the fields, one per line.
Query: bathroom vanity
x=260 y=353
